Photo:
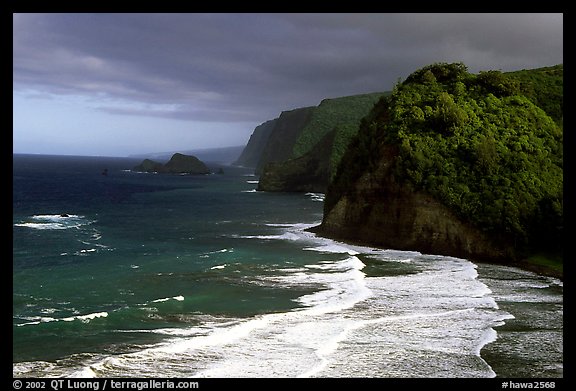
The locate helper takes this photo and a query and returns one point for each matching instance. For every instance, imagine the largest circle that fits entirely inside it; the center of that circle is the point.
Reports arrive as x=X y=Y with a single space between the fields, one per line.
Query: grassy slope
x=344 y=115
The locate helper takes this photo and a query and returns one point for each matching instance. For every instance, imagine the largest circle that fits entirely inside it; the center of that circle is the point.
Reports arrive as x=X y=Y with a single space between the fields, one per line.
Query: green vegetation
x=547 y=261
x=344 y=115
x=545 y=88
x=478 y=143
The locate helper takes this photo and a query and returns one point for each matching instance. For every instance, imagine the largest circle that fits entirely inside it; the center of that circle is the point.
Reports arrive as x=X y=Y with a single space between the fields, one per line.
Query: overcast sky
x=118 y=84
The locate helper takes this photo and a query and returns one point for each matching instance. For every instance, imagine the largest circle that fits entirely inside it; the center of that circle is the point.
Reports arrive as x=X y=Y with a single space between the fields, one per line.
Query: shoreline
x=542 y=270
x=537 y=263
x=497 y=353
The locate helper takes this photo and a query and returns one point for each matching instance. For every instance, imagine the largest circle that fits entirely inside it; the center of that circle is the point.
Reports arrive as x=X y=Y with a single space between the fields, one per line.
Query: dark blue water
x=131 y=274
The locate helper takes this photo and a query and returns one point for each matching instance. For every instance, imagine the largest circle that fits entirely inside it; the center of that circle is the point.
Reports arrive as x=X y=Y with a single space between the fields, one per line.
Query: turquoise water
x=131 y=274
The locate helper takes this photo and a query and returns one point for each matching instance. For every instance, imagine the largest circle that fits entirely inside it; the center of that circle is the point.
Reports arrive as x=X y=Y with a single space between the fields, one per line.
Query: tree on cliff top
x=477 y=143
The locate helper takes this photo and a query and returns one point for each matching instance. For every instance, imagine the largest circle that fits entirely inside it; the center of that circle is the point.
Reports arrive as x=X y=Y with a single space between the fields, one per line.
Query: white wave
x=336 y=247
x=349 y=325
x=253 y=182
x=342 y=286
x=32 y=367
x=84 y=373
x=285 y=236
x=555 y=281
x=300 y=227
x=57 y=217
x=224 y=250
x=332 y=345
x=173 y=332
x=293 y=269
x=36 y=320
x=42 y=225
x=346 y=287
x=218 y=337
x=249 y=191
x=290 y=232
x=316 y=196
x=87 y=317
x=333 y=248
x=83 y=318
x=177 y=298
x=83 y=251
x=55 y=222
x=218 y=267
x=93 y=244
x=49 y=310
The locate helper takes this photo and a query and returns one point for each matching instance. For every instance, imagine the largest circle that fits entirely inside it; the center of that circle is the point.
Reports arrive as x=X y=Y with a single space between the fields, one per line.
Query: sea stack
x=178 y=164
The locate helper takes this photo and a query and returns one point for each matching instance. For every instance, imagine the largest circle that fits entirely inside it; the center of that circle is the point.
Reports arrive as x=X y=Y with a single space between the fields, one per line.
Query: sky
x=121 y=84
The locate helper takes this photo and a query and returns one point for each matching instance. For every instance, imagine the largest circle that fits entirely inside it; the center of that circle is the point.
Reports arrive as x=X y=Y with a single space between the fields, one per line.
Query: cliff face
x=383 y=212
x=287 y=129
x=308 y=173
x=178 y=164
x=295 y=133
x=307 y=146
x=453 y=164
x=253 y=151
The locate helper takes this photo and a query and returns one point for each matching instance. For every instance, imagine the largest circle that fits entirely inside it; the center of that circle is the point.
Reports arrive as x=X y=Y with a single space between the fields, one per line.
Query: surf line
x=332 y=346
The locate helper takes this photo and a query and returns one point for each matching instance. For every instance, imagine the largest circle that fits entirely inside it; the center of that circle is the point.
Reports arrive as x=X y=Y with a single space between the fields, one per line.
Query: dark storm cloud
x=249 y=67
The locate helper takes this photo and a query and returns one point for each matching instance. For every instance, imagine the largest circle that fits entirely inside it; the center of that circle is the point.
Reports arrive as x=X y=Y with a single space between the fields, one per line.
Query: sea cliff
x=453 y=164
x=382 y=211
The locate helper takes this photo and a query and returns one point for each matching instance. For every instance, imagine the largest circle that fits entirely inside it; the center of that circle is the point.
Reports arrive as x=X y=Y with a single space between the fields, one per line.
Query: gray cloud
x=249 y=67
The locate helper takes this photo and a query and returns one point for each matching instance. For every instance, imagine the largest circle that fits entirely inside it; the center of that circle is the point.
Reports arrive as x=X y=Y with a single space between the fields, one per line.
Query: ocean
x=153 y=275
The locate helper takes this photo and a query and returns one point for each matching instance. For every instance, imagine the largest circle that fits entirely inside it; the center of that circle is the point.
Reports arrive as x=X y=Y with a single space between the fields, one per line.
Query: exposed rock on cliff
x=253 y=151
x=381 y=211
x=287 y=129
x=308 y=173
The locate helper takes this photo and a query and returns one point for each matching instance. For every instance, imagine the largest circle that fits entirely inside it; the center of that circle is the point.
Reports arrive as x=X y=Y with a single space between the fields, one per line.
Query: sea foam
x=345 y=326
x=55 y=222
x=177 y=298
x=83 y=318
